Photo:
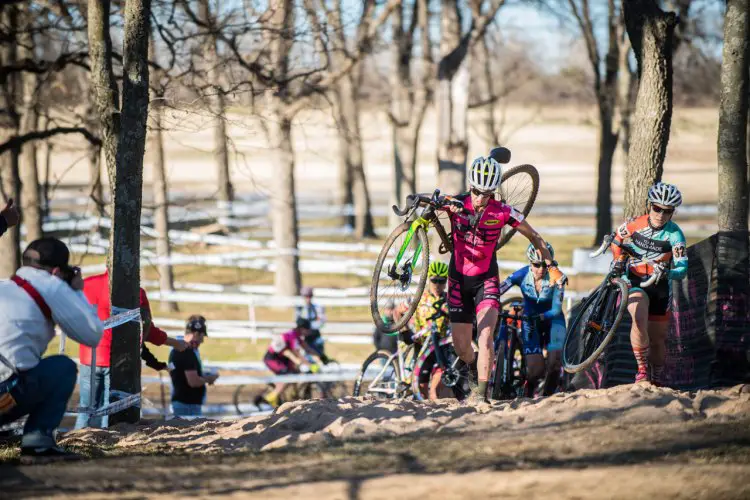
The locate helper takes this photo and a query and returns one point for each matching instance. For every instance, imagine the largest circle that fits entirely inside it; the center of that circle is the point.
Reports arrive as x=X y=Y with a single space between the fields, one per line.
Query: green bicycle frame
x=418 y=222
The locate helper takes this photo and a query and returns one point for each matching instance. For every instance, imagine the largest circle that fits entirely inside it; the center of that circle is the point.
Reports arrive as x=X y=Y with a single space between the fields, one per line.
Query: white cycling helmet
x=484 y=174
x=665 y=194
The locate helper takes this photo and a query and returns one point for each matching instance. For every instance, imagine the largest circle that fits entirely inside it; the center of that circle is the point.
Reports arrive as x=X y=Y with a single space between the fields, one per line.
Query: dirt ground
x=631 y=441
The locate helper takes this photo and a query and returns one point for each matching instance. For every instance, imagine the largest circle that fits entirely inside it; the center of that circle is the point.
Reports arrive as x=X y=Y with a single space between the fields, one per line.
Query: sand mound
x=322 y=421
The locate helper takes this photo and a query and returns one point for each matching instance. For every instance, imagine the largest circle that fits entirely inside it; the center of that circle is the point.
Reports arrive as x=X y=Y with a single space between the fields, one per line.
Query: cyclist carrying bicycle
x=655 y=238
x=433 y=301
x=542 y=302
x=473 y=283
x=286 y=355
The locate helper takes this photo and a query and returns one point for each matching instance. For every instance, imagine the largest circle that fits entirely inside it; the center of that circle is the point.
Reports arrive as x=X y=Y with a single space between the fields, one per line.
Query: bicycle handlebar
x=610 y=240
x=436 y=201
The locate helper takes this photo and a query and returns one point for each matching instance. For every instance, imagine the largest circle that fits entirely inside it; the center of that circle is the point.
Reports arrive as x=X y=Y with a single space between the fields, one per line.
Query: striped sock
x=641 y=357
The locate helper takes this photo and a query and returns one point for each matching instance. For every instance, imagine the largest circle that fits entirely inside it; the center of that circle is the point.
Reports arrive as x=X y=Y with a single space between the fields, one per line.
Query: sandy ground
x=625 y=442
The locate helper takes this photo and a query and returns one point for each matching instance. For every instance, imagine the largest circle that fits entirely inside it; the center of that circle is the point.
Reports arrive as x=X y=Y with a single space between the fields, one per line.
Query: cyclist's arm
x=514 y=279
x=536 y=239
x=679 y=256
x=622 y=232
x=557 y=302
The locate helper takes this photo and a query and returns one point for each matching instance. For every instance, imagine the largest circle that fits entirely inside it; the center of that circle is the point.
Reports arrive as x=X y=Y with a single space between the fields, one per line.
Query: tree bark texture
x=452 y=93
x=733 y=119
x=452 y=100
x=93 y=156
x=160 y=187
x=216 y=105
x=9 y=175
x=651 y=32
x=487 y=125
x=279 y=36
x=30 y=203
x=124 y=136
x=409 y=97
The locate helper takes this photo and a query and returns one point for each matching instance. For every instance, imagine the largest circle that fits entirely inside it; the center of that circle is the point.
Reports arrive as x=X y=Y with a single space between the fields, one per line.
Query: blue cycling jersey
x=548 y=301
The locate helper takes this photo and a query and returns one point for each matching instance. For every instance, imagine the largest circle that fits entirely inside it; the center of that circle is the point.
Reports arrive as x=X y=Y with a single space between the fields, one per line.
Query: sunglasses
x=659 y=210
x=538 y=264
x=479 y=193
x=438 y=281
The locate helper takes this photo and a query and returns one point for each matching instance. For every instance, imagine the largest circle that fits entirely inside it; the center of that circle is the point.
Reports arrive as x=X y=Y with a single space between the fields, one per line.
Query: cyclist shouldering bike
x=477 y=221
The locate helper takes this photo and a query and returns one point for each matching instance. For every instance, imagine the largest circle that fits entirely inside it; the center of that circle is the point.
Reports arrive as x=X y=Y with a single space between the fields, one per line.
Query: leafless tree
x=333 y=40
x=453 y=83
x=605 y=68
x=410 y=93
x=733 y=119
x=159 y=181
x=651 y=33
x=124 y=137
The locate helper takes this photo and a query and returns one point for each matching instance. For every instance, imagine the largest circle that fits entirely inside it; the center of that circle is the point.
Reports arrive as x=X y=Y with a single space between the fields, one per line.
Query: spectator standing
x=316 y=315
x=45 y=291
x=186 y=370
x=96 y=289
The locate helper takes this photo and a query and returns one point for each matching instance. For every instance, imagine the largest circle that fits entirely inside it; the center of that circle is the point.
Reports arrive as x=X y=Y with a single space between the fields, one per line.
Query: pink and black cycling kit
x=274 y=360
x=473 y=282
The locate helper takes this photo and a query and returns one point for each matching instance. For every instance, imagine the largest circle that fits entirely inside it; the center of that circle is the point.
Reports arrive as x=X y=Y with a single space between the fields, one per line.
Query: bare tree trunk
x=409 y=98
x=733 y=119
x=159 y=187
x=10 y=184
x=284 y=209
x=651 y=32
x=607 y=148
x=350 y=143
x=124 y=137
x=216 y=105
x=488 y=125
x=452 y=100
x=627 y=87
x=94 y=155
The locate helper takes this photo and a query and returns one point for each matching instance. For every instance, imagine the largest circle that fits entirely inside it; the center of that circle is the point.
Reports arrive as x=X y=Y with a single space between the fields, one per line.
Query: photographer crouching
x=44 y=292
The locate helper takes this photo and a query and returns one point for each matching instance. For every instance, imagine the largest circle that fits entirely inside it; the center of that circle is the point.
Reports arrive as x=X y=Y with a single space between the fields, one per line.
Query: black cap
x=47 y=252
x=196 y=323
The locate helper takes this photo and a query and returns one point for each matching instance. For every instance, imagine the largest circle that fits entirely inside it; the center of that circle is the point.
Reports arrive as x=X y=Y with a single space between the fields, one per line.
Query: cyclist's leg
x=658 y=325
x=279 y=365
x=487 y=300
x=554 y=351
x=461 y=318
x=532 y=351
x=638 y=304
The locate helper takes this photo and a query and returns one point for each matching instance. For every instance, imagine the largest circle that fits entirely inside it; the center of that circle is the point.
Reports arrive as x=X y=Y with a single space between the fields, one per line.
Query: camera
x=68 y=273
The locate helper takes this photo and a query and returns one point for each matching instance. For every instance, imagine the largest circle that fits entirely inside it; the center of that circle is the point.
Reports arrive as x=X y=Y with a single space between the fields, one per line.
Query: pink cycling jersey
x=474 y=243
x=288 y=340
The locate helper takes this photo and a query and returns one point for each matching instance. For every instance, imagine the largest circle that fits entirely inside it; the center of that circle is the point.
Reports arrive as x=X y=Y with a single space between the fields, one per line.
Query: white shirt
x=314 y=313
x=24 y=330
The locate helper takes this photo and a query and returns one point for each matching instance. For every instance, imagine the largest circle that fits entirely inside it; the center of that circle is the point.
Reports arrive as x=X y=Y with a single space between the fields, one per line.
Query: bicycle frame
x=402 y=355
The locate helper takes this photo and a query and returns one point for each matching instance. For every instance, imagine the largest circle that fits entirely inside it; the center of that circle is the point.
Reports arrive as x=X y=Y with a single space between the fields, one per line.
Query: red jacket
x=96 y=289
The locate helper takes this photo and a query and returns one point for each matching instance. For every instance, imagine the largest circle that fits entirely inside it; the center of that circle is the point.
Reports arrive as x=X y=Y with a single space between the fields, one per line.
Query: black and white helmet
x=665 y=194
x=484 y=174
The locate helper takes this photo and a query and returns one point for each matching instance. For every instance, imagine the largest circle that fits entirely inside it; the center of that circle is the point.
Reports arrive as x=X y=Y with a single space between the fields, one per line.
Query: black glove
x=619 y=267
x=151 y=360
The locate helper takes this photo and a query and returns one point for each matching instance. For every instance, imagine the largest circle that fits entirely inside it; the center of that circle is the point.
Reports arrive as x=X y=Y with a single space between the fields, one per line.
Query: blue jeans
x=101 y=392
x=42 y=393
x=186 y=410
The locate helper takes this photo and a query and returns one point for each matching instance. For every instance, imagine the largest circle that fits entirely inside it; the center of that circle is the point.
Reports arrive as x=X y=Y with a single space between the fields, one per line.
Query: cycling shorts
x=278 y=364
x=467 y=295
x=658 y=297
x=535 y=333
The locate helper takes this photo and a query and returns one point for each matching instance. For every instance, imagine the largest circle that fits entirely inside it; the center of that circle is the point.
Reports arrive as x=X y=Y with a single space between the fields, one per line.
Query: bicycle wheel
x=518 y=188
x=515 y=366
x=498 y=379
x=400 y=275
x=592 y=329
x=380 y=376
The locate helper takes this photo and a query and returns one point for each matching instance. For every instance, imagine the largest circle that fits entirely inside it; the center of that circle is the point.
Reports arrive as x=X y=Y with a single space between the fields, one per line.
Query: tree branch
x=302 y=98
x=20 y=140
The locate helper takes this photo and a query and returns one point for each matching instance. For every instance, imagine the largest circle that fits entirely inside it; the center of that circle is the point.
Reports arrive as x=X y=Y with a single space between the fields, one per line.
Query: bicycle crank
x=450 y=377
